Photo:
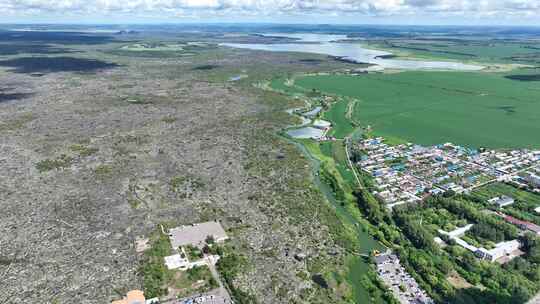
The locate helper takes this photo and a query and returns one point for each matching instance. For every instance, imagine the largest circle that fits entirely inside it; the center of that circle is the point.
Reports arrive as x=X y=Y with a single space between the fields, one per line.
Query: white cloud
x=171 y=8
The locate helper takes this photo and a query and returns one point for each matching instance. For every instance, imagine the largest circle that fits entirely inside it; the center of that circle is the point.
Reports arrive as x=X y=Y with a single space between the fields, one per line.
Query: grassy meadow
x=341 y=125
x=472 y=109
x=463 y=50
x=336 y=150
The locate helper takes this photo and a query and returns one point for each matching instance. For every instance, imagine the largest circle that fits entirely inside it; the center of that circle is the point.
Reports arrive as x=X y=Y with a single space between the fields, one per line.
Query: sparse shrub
x=229 y=266
x=134 y=203
x=193 y=253
x=83 y=151
x=183 y=183
x=16 y=123
x=103 y=170
x=210 y=240
x=176 y=182
x=169 y=119
x=61 y=162
x=137 y=100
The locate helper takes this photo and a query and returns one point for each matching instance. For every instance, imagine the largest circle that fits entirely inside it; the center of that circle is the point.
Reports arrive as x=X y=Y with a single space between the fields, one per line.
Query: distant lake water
x=305 y=37
x=330 y=45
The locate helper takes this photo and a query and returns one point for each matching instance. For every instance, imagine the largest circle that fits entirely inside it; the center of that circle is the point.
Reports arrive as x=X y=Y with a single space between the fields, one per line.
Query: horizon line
x=263 y=23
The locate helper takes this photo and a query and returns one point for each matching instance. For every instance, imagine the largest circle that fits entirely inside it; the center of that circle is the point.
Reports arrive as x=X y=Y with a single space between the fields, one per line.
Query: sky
x=411 y=12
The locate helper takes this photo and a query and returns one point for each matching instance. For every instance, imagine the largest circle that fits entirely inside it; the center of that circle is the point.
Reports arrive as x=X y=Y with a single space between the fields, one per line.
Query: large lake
x=330 y=45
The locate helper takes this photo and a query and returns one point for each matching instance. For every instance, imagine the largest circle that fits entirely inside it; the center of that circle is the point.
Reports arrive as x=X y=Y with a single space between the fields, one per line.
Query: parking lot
x=403 y=286
x=205 y=299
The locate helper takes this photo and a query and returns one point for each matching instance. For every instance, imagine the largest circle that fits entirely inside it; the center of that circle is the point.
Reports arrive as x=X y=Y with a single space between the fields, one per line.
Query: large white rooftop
x=457 y=232
x=196 y=234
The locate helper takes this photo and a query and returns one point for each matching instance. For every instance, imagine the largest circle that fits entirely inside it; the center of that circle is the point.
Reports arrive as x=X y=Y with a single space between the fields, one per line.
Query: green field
x=472 y=109
x=464 y=50
x=279 y=84
x=341 y=126
x=336 y=150
x=525 y=203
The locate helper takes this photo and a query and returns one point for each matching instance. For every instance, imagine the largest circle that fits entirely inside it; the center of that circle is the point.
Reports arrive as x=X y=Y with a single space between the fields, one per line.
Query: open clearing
x=472 y=109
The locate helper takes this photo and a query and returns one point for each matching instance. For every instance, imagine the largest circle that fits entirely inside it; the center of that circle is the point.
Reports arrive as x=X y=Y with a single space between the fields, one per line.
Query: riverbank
x=333 y=176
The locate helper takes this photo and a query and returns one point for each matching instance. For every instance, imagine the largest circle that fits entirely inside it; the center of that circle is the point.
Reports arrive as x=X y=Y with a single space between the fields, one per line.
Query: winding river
x=357 y=265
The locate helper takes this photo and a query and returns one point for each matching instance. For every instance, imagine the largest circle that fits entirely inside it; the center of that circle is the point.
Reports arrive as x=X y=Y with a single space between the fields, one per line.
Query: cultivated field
x=503 y=51
x=473 y=109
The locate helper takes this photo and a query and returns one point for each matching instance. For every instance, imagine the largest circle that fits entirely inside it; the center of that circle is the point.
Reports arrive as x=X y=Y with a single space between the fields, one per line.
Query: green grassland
x=464 y=50
x=341 y=125
x=336 y=150
x=496 y=189
x=473 y=109
x=279 y=84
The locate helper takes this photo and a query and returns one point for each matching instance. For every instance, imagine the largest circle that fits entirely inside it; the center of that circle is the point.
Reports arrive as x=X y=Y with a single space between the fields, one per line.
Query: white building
x=457 y=232
x=502 y=201
x=180 y=261
x=502 y=249
x=509 y=249
x=176 y=261
x=533 y=179
x=465 y=245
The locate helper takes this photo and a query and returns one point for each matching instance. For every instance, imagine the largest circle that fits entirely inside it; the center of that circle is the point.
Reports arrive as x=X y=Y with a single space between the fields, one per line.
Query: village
x=408 y=173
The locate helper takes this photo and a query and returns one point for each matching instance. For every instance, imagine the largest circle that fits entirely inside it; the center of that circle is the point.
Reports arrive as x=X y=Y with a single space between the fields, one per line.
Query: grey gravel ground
x=68 y=235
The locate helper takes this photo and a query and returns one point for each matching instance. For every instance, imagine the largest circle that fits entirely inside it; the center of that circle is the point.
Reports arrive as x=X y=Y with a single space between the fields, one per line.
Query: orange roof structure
x=132 y=297
x=135 y=297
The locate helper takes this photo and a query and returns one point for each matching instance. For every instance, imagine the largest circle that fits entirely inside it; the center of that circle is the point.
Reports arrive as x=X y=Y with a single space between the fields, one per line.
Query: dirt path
x=351 y=165
x=350 y=109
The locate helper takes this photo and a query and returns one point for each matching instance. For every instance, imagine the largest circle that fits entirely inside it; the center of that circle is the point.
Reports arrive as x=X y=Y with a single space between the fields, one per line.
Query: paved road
x=222 y=294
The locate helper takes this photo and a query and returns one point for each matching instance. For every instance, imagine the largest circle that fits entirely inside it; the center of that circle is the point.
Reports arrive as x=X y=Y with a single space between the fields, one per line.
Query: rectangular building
x=502 y=201
x=197 y=234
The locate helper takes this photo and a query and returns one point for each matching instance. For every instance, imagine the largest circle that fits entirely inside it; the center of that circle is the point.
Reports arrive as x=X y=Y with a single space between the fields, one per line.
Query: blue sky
x=458 y=12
